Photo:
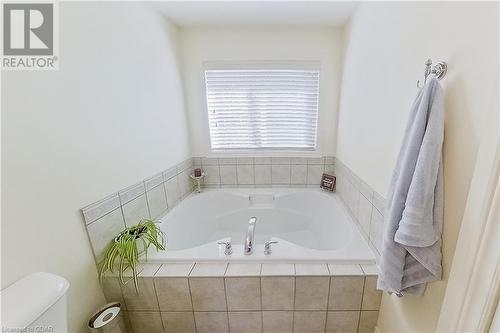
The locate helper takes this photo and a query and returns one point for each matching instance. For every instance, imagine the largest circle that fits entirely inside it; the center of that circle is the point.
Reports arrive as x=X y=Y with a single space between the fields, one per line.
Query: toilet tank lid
x=27 y=299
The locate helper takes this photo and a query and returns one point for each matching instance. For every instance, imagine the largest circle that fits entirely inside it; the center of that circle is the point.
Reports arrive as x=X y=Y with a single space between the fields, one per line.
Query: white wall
x=199 y=45
x=111 y=116
x=387 y=44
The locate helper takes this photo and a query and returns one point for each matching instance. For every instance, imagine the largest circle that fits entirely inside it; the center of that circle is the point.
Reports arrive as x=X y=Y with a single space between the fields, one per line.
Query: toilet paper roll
x=105 y=315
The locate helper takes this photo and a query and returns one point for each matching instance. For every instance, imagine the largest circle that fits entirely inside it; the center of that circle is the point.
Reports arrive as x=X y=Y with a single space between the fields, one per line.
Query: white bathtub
x=309 y=224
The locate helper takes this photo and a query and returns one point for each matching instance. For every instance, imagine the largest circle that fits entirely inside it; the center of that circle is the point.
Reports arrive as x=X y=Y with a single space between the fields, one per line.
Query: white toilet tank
x=36 y=303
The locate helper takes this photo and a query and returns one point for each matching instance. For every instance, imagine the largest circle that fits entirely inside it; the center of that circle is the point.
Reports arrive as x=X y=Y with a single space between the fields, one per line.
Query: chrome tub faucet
x=267 y=247
x=250 y=235
x=228 y=248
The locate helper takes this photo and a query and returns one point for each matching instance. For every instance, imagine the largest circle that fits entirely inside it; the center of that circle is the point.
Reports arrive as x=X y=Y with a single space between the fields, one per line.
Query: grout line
x=236 y=167
x=192 y=268
x=191 y=298
x=123 y=218
x=227 y=305
x=246 y=311
x=328 y=269
x=218 y=170
x=361 y=306
x=99 y=203
x=294 y=298
x=328 y=300
x=157 y=300
x=253 y=167
x=271 y=167
x=153 y=275
x=100 y=217
x=370 y=223
x=135 y=197
x=307 y=174
x=147 y=202
x=164 y=184
x=121 y=292
x=363 y=293
x=179 y=197
x=261 y=302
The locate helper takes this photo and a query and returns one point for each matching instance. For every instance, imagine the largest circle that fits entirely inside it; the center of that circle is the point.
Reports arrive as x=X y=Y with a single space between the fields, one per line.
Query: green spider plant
x=123 y=253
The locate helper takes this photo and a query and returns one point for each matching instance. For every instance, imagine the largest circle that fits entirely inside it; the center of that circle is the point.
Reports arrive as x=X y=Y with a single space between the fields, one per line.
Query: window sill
x=264 y=153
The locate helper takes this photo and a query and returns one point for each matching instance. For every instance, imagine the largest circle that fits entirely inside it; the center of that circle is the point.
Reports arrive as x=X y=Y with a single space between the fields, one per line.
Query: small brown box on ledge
x=328 y=182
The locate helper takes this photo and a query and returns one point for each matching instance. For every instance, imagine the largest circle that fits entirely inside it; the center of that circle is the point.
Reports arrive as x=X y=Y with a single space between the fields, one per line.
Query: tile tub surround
x=271 y=298
x=264 y=171
x=156 y=195
x=364 y=205
x=150 y=198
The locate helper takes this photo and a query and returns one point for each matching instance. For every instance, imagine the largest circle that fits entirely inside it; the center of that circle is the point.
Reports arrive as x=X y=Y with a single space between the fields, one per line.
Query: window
x=262 y=109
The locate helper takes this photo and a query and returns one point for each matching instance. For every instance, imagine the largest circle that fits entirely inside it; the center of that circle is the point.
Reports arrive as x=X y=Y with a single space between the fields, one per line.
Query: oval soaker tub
x=309 y=225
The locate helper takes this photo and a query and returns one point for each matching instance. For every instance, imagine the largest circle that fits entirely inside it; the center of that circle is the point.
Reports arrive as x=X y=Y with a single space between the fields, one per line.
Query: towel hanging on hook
x=439 y=69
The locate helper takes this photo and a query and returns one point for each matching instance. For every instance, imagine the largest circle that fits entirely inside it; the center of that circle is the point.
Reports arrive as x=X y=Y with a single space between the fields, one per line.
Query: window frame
x=256 y=65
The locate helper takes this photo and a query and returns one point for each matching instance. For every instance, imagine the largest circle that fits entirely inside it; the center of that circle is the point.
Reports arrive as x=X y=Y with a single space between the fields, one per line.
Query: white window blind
x=262 y=108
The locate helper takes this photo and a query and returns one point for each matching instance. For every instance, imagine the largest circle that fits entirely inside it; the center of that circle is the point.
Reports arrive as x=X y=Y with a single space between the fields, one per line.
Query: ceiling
x=256 y=13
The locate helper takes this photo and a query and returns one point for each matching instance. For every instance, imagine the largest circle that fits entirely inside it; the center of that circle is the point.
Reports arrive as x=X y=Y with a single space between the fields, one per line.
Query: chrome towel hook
x=438 y=69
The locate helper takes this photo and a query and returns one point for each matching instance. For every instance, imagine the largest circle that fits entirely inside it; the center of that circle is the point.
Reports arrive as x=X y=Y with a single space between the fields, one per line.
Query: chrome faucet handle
x=267 y=246
x=228 y=248
x=248 y=248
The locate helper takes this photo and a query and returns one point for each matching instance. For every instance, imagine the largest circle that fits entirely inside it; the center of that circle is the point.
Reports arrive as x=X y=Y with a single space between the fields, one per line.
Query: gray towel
x=411 y=249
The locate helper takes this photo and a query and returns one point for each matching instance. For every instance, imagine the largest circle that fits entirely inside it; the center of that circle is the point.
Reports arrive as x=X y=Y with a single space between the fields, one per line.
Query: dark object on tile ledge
x=328 y=182
x=197 y=172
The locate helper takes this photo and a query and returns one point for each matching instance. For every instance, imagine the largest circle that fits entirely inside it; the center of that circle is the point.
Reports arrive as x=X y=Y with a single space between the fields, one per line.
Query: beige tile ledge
x=144 y=270
x=345 y=269
x=311 y=269
x=370 y=269
x=175 y=270
x=249 y=269
x=278 y=270
x=191 y=269
x=209 y=270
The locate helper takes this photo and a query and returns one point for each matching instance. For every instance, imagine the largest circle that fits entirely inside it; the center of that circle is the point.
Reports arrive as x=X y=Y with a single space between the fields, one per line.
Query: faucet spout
x=250 y=235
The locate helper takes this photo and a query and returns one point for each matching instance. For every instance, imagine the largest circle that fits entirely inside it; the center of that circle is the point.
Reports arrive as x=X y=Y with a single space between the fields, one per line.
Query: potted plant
x=123 y=253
